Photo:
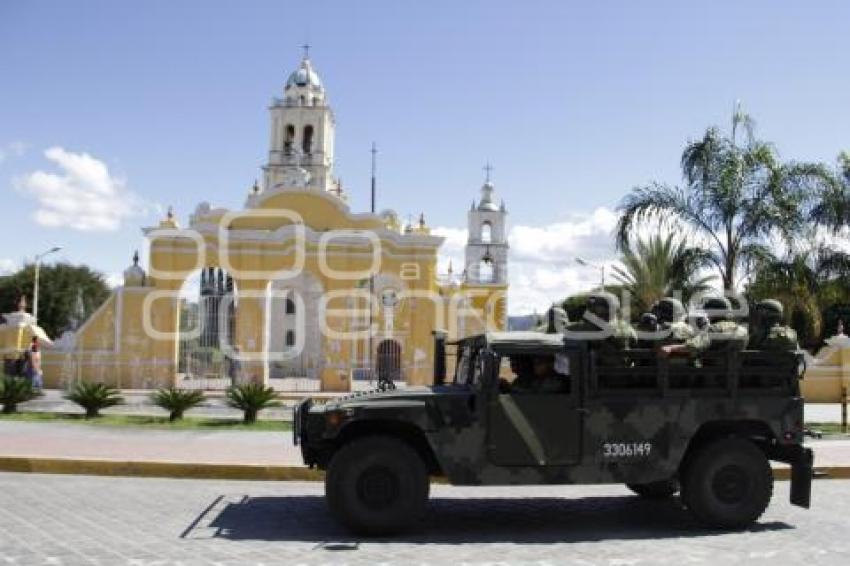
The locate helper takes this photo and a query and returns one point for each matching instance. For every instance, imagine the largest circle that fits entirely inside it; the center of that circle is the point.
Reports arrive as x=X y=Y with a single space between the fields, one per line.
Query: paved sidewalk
x=99 y=442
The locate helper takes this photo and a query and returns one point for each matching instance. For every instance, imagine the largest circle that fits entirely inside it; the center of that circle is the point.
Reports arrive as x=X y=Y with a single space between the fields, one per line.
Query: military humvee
x=705 y=427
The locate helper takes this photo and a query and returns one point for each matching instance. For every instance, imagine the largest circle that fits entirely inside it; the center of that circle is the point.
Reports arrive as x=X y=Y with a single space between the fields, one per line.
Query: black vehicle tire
x=377 y=485
x=655 y=490
x=728 y=484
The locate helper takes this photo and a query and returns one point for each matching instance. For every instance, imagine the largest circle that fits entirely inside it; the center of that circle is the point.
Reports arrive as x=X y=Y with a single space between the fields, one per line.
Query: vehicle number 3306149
x=626 y=449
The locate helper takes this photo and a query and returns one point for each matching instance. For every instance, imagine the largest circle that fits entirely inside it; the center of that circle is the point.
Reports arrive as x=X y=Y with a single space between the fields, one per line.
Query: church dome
x=487 y=198
x=304 y=76
x=134 y=276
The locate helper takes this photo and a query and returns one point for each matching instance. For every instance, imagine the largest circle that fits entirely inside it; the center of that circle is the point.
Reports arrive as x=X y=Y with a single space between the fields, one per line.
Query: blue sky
x=573 y=103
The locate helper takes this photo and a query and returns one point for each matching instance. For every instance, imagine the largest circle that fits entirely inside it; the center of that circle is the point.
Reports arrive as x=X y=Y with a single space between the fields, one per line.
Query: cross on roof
x=487 y=170
x=306 y=48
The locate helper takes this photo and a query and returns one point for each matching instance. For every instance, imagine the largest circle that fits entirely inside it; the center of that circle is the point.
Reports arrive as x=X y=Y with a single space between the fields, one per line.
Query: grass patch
x=150 y=422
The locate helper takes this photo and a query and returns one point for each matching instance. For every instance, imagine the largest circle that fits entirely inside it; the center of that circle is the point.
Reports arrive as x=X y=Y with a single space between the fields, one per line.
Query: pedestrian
x=34 y=365
x=235 y=369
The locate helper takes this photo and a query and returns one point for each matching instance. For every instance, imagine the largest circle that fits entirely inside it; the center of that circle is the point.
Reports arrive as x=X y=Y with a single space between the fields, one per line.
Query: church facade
x=296 y=289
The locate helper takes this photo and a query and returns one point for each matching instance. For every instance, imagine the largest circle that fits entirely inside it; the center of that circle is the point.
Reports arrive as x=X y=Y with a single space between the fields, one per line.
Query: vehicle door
x=536 y=427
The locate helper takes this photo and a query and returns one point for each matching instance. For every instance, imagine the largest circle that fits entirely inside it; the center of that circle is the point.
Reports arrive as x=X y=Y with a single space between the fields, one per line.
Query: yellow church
x=294 y=290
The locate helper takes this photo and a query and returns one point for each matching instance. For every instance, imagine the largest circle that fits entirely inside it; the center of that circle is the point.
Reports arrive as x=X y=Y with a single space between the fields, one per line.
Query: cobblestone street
x=95 y=520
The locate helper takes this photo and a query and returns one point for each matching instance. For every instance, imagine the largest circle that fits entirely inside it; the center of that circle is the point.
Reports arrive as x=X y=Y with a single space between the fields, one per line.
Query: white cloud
x=114 y=279
x=83 y=196
x=541 y=261
x=8 y=266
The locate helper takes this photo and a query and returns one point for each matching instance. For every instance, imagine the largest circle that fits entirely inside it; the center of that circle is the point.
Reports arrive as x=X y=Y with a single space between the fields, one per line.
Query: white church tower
x=302 y=133
x=487 y=246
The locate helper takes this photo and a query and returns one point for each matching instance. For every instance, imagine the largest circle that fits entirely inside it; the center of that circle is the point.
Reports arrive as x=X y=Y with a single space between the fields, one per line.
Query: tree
x=832 y=209
x=809 y=284
x=68 y=294
x=661 y=266
x=735 y=196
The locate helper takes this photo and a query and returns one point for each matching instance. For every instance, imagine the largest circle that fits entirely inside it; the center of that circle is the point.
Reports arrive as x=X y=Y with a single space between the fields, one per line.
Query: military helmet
x=669 y=309
x=648 y=320
x=770 y=310
x=603 y=304
x=717 y=309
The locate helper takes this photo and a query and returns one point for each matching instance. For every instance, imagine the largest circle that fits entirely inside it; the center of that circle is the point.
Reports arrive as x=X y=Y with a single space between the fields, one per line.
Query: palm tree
x=661 y=266
x=832 y=209
x=735 y=196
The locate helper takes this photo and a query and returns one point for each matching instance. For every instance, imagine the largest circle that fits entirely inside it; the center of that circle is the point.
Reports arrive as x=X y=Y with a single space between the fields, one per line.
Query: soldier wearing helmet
x=602 y=325
x=647 y=330
x=767 y=331
x=722 y=334
x=672 y=320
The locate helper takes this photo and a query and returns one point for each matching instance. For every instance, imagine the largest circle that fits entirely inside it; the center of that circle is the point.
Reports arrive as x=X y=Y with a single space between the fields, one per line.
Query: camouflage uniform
x=767 y=331
x=722 y=333
x=612 y=338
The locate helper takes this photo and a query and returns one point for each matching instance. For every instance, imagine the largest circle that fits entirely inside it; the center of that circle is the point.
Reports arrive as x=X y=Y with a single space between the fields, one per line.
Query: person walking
x=34 y=364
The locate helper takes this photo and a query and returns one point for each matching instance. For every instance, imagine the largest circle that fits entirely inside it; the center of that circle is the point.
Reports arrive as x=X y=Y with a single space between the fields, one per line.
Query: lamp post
x=600 y=267
x=38 y=259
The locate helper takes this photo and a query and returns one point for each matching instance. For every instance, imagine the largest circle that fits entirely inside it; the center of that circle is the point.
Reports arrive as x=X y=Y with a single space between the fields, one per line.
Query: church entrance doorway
x=206 y=356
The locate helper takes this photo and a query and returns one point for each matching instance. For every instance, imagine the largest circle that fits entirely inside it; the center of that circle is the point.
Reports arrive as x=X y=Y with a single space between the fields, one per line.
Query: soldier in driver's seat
x=536 y=374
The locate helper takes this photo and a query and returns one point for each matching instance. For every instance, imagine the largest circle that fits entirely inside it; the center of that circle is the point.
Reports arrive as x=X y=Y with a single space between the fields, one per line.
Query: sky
x=112 y=111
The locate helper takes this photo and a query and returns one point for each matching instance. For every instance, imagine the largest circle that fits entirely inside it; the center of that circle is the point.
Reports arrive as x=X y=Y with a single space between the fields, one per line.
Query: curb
x=206 y=471
x=159 y=469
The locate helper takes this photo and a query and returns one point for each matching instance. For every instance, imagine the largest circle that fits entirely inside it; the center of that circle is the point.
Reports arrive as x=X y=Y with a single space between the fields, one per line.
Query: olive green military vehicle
x=530 y=408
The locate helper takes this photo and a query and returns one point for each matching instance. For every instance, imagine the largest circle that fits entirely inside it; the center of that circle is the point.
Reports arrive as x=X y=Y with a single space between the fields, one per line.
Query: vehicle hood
x=409 y=396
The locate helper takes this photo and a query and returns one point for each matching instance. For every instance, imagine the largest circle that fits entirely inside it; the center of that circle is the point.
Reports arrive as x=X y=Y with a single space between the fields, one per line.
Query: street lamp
x=38 y=259
x=600 y=267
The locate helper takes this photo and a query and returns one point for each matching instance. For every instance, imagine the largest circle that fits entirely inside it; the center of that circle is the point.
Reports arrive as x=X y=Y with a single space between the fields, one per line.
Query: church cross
x=487 y=170
x=306 y=48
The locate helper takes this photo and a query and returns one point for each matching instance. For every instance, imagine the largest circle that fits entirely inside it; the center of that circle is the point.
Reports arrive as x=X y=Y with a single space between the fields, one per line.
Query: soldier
x=537 y=374
x=609 y=334
x=721 y=334
x=767 y=331
x=647 y=330
x=672 y=319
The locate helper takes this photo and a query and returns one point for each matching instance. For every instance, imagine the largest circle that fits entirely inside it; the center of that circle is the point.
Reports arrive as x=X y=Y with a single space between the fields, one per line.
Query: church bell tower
x=301 y=146
x=487 y=246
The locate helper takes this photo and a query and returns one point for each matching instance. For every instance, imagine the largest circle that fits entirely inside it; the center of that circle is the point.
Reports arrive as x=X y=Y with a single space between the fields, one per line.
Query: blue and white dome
x=304 y=76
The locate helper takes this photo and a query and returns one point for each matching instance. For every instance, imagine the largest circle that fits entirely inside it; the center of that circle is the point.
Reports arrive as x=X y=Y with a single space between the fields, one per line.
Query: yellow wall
x=114 y=348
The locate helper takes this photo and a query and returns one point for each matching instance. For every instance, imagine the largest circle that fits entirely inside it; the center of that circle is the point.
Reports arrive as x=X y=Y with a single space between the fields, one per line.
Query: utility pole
x=372 y=367
x=38 y=259
x=374 y=154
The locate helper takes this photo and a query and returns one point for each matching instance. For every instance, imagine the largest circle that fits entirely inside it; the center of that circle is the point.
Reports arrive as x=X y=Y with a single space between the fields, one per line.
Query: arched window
x=290 y=338
x=315 y=101
x=486 y=232
x=290 y=306
x=302 y=100
x=486 y=273
x=288 y=138
x=307 y=142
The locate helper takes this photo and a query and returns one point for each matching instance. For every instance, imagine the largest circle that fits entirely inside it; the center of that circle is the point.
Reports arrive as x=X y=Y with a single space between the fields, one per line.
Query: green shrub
x=93 y=397
x=251 y=398
x=177 y=401
x=14 y=390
